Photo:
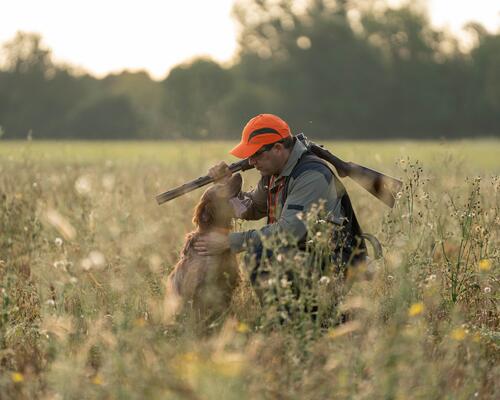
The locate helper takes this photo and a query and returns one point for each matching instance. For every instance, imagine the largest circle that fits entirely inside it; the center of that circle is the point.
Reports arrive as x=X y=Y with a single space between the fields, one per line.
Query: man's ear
x=204 y=214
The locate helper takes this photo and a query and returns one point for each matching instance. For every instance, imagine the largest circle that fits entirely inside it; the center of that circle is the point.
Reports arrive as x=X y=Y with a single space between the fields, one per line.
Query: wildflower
x=97 y=259
x=17 y=377
x=58 y=241
x=285 y=283
x=484 y=265
x=50 y=302
x=279 y=257
x=271 y=281
x=86 y=264
x=83 y=185
x=324 y=280
x=61 y=264
x=97 y=380
x=458 y=334
x=390 y=278
x=416 y=309
x=487 y=290
x=432 y=277
x=242 y=327
x=73 y=280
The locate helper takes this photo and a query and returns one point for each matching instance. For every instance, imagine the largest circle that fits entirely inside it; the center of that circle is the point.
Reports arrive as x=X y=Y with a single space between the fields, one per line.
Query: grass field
x=85 y=249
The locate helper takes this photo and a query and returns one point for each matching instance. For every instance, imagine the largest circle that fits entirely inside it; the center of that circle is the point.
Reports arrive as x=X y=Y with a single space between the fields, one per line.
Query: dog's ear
x=204 y=214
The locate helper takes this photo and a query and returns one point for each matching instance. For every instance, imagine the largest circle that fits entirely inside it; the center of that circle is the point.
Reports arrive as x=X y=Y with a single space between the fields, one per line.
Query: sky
x=103 y=36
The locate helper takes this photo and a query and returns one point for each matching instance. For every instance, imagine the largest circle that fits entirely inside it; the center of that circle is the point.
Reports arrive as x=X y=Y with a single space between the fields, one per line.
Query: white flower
x=97 y=259
x=60 y=265
x=58 y=241
x=86 y=264
x=324 y=280
x=390 y=277
x=271 y=281
x=487 y=289
x=285 y=282
x=50 y=302
x=83 y=185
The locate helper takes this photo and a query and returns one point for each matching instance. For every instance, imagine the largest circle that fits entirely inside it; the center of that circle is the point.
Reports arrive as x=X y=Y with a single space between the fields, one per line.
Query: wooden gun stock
x=383 y=187
x=242 y=165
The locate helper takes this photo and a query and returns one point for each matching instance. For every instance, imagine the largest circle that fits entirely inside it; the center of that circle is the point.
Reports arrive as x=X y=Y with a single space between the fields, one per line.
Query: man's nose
x=251 y=161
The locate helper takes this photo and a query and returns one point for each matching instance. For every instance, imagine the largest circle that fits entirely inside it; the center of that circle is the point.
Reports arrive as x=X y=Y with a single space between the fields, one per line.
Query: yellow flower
x=97 y=380
x=242 y=327
x=17 y=377
x=484 y=265
x=416 y=309
x=458 y=334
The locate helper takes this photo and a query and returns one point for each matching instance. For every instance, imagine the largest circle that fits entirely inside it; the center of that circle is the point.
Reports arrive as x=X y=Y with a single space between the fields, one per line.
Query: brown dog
x=204 y=285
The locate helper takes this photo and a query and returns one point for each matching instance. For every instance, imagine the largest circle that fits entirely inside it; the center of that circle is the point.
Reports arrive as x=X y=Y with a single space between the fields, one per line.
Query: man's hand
x=212 y=243
x=220 y=172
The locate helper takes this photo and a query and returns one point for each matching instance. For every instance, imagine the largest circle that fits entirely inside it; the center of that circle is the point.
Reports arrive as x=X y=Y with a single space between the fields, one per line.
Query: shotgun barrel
x=242 y=165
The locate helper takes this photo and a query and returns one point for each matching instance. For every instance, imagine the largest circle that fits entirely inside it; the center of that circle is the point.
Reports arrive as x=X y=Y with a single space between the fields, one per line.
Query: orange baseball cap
x=259 y=131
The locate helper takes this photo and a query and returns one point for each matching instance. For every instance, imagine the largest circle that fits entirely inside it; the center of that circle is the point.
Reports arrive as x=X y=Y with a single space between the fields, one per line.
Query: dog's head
x=214 y=208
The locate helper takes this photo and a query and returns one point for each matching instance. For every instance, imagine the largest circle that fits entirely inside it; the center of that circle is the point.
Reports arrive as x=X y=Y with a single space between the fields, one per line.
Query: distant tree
x=110 y=117
x=35 y=94
x=25 y=54
x=193 y=94
x=485 y=75
x=145 y=95
x=323 y=72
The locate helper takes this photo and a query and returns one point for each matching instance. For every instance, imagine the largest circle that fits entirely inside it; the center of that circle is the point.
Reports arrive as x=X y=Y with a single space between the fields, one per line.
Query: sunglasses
x=263 y=149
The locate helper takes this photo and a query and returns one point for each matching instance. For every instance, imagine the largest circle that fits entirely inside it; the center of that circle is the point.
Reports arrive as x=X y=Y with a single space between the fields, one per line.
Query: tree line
x=334 y=69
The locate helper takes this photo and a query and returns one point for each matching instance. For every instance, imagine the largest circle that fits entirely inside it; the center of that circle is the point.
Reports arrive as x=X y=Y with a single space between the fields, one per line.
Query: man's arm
x=308 y=189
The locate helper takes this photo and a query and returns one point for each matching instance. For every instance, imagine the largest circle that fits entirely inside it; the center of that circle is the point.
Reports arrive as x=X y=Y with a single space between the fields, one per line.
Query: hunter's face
x=269 y=162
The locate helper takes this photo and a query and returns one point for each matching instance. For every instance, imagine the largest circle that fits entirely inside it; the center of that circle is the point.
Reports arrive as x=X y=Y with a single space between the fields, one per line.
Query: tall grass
x=84 y=252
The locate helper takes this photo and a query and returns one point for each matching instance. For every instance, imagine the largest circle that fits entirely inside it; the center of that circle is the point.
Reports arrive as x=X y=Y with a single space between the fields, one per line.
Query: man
x=293 y=180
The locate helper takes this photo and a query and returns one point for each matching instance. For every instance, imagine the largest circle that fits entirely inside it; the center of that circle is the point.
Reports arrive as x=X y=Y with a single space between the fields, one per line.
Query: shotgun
x=383 y=187
x=242 y=165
